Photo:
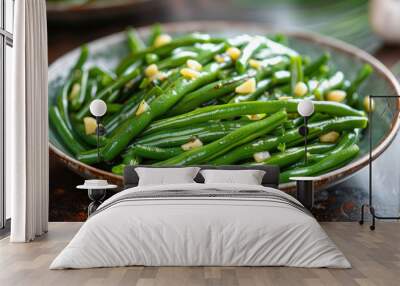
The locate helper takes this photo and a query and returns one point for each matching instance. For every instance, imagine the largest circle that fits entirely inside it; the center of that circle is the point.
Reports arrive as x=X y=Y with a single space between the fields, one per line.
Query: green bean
x=91 y=139
x=315 y=66
x=330 y=162
x=84 y=54
x=63 y=103
x=293 y=155
x=79 y=99
x=114 y=107
x=104 y=77
x=206 y=132
x=176 y=60
x=131 y=105
x=118 y=123
x=346 y=140
x=225 y=111
x=115 y=85
x=233 y=139
x=205 y=137
x=151 y=58
x=92 y=90
x=152 y=152
x=262 y=86
x=225 y=86
x=128 y=161
x=113 y=96
x=90 y=156
x=296 y=72
x=281 y=77
x=362 y=75
x=333 y=82
x=127 y=110
x=207 y=93
x=134 y=42
x=316 y=117
x=204 y=57
x=156 y=30
x=279 y=49
x=285 y=158
x=186 y=40
x=133 y=126
x=63 y=131
x=291 y=137
x=248 y=51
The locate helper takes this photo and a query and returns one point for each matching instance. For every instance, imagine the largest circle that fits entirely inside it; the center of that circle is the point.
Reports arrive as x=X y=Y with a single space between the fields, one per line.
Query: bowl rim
x=191 y=26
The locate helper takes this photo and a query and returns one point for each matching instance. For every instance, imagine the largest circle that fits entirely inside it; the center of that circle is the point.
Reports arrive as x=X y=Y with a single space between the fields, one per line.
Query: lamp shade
x=98 y=107
x=305 y=108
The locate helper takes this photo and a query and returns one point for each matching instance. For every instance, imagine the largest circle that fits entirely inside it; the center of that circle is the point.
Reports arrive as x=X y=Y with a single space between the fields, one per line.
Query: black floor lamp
x=98 y=108
x=370 y=205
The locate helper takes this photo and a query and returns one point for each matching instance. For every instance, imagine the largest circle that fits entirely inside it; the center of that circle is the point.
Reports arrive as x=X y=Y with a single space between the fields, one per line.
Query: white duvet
x=190 y=231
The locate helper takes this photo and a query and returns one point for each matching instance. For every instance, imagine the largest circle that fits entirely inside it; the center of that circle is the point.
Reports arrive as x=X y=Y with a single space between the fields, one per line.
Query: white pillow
x=166 y=176
x=247 y=177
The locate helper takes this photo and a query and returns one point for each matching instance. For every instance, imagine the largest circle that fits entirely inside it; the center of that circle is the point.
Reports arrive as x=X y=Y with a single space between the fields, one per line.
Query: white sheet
x=200 y=231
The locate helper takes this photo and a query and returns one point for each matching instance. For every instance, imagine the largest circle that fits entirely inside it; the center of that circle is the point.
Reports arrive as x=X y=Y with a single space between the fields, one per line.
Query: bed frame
x=271 y=178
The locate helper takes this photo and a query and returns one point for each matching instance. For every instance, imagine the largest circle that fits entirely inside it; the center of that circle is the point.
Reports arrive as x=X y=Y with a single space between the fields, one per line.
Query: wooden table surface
x=66 y=204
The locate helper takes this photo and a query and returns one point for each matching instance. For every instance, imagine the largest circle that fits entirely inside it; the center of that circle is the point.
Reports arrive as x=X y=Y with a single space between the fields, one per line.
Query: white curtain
x=27 y=124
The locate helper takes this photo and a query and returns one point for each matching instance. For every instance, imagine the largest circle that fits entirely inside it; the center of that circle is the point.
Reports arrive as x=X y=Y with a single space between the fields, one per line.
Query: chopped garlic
x=367 y=106
x=234 y=53
x=255 y=64
x=193 y=144
x=194 y=65
x=248 y=86
x=189 y=73
x=151 y=71
x=219 y=59
x=76 y=88
x=336 y=95
x=284 y=97
x=300 y=89
x=261 y=156
x=161 y=76
x=143 y=106
x=90 y=125
x=329 y=137
x=256 y=116
x=162 y=39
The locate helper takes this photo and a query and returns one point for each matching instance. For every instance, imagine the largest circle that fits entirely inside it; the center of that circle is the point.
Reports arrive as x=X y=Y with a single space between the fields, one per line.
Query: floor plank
x=375 y=257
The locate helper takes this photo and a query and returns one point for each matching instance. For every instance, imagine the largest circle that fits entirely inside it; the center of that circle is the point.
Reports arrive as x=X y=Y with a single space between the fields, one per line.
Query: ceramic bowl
x=108 y=51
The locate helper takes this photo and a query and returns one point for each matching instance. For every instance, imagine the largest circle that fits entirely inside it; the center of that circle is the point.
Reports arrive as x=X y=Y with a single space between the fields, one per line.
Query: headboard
x=271 y=177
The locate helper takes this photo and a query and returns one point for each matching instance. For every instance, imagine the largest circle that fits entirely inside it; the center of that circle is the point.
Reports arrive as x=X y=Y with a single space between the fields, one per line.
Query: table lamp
x=98 y=108
x=305 y=108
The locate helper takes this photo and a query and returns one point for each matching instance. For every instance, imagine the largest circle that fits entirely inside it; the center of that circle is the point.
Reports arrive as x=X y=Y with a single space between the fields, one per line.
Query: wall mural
x=202 y=94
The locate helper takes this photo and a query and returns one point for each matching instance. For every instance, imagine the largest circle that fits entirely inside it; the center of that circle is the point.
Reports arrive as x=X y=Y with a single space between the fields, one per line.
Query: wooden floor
x=375 y=257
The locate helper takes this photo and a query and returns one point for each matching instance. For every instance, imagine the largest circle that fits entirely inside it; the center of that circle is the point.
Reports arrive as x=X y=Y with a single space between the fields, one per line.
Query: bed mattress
x=201 y=225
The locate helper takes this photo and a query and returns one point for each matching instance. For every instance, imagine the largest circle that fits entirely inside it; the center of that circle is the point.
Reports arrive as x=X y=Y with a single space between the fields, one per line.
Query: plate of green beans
x=219 y=93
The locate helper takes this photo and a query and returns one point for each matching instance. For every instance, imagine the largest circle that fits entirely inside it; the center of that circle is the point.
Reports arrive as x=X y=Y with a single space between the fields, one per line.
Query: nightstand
x=97 y=190
x=305 y=190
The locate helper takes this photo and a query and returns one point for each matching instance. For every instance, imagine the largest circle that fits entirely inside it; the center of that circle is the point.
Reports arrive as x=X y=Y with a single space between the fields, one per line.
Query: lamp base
x=305 y=193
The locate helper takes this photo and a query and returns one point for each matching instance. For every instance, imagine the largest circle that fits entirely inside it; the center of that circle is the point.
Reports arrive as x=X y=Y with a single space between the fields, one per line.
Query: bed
x=202 y=224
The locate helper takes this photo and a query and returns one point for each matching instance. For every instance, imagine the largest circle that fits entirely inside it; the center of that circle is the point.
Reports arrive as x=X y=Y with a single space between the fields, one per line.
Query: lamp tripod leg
x=372 y=211
x=361 y=221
